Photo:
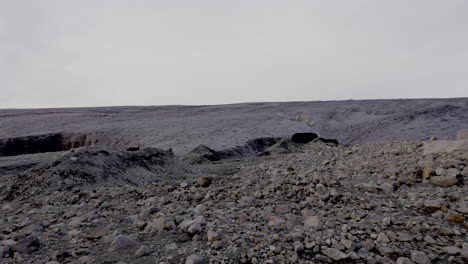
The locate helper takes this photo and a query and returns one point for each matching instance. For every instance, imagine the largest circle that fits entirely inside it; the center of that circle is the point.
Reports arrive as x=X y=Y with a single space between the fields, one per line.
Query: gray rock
x=402 y=260
x=444 y=181
x=420 y=257
x=451 y=250
x=334 y=254
x=143 y=251
x=122 y=242
x=312 y=221
x=193 y=259
x=26 y=246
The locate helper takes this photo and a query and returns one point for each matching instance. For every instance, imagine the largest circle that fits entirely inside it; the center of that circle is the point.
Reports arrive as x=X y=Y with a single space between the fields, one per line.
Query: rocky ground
x=320 y=202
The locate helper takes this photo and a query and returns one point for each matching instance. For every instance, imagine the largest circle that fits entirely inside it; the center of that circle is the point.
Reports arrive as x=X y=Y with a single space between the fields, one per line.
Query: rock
x=420 y=257
x=158 y=224
x=143 y=251
x=298 y=246
x=462 y=134
x=430 y=240
x=464 y=253
x=195 y=228
x=382 y=238
x=86 y=260
x=404 y=237
x=171 y=246
x=276 y=221
x=282 y=209
x=312 y=221
x=217 y=245
x=450 y=250
x=26 y=246
x=200 y=209
x=402 y=260
x=193 y=259
x=444 y=181
x=444 y=146
x=122 y=242
x=455 y=218
x=192 y=226
x=7 y=208
x=387 y=187
x=334 y=254
x=432 y=205
x=98 y=233
x=204 y=181
x=428 y=172
x=212 y=236
x=60 y=255
x=384 y=251
x=17 y=257
x=347 y=243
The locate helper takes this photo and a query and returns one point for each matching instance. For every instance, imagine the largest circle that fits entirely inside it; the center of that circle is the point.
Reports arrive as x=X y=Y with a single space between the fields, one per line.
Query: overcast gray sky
x=111 y=52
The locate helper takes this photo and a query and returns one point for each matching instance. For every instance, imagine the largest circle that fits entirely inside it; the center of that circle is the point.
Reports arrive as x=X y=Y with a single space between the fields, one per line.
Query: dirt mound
x=44 y=143
x=98 y=167
x=201 y=154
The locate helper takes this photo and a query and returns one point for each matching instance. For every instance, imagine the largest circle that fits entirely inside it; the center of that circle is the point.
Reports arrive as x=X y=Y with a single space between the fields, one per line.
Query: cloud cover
x=109 y=52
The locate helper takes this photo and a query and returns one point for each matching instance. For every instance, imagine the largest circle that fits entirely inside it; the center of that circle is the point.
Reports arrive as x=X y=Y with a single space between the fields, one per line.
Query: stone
x=384 y=251
x=464 y=253
x=217 y=245
x=143 y=251
x=444 y=181
x=26 y=246
x=158 y=224
x=455 y=218
x=200 y=209
x=428 y=172
x=387 y=187
x=298 y=246
x=122 y=242
x=192 y=226
x=312 y=221
x=404 y=237
x=420 y=257
x=462 y=134
x=212 y=236
x=402 y=260
x=347 y=243
x=282 y=209
x=432 y=205
x=450 y=250
x=382 y=238
x=204 y=181
x=193 y=259
x=334 y=254
x=98 y=233
x=195 y=228
x=276 y=221
x=60 y=255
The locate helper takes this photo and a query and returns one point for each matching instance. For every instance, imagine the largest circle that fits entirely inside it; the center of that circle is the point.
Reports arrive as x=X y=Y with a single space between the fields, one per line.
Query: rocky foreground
x=320 y=202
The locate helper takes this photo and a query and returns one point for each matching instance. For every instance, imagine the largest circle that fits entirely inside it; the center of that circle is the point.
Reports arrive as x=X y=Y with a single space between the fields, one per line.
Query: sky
x=56 y=53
